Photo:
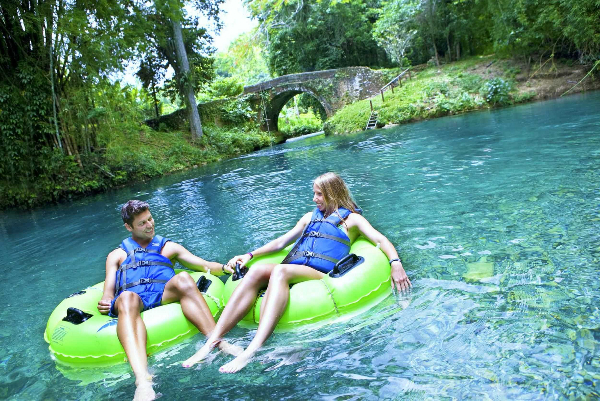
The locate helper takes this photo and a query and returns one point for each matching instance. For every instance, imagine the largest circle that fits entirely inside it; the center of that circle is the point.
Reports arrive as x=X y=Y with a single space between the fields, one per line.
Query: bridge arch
x=332 y=88
x=283 y=94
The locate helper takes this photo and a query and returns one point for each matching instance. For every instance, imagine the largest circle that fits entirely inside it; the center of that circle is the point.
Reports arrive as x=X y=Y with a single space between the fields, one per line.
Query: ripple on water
x=494 y=215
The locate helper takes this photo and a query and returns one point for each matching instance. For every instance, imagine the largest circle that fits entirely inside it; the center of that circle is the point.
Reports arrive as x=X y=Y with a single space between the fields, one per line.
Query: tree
x=396 y=28
x=184 y=81
x=307 y=36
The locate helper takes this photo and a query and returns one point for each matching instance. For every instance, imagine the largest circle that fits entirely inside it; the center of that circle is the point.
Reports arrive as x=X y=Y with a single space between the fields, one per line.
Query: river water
x=495 y=215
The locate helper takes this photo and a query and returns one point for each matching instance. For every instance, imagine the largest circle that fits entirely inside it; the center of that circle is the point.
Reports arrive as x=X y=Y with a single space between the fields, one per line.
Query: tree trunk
x=154 y=98
x=435 y=51
x=186 y=87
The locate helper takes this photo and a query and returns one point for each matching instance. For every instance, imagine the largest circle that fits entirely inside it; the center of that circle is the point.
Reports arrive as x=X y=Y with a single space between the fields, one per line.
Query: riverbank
x=477 y=83
x=133 y=152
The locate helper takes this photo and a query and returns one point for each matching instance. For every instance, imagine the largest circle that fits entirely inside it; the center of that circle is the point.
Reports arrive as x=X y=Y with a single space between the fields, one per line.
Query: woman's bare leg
x=237 y=307
x=272 y=309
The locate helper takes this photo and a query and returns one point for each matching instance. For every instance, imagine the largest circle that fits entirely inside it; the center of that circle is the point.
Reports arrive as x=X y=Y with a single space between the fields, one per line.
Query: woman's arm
x=275 y=245
x=356 y=222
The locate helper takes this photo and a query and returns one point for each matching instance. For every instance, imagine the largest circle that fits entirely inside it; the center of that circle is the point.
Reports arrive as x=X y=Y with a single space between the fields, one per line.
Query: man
x=140 y=276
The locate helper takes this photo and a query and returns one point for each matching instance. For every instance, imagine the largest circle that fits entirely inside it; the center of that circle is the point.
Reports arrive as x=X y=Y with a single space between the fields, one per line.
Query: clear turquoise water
x=495 y=214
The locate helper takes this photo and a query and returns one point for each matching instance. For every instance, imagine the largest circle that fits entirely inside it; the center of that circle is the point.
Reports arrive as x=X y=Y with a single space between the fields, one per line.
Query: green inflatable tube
x=365 y=284
x=79 y=335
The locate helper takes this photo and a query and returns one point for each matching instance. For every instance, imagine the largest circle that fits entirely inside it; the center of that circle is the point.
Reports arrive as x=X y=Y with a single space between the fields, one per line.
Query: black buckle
x=145 y=281
x=309 y=254
x=143 y=263
x=314 y=234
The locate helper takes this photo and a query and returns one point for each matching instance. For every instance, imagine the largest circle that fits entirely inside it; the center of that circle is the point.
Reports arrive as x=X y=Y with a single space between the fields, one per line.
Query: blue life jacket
x=144 y=269
x=322 y=243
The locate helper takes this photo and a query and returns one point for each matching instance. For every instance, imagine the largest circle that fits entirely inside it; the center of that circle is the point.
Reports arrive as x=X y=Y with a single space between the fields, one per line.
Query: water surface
x=495 y=215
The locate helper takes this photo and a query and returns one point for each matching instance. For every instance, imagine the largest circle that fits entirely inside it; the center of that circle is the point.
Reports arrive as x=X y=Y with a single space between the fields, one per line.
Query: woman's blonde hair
x=335 y=193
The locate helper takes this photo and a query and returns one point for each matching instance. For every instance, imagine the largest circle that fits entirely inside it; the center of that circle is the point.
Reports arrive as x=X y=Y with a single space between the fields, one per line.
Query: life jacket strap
x=140 y=282
x=308 y=254
x=144 y=263
x=318 y=234
x=145 y=250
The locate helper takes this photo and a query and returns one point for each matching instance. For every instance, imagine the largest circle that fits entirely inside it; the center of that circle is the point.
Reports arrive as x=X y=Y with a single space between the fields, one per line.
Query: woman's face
x=318 y=198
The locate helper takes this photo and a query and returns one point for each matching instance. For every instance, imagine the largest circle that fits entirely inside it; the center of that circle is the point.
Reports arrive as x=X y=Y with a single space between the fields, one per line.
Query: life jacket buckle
x=144 y=262
x=309 y=254
x=145 y=280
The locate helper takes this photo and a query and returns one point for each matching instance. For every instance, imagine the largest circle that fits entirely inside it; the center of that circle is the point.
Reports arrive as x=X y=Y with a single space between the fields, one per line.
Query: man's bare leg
x=272 y=309
x=132 y=335
x=237 y=307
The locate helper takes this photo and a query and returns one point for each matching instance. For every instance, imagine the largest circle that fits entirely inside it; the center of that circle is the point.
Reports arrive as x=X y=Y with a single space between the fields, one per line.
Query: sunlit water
x=496 y=217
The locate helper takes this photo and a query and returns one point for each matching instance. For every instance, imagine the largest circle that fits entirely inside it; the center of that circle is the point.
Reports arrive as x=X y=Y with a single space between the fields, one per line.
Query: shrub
x=226 y=87
x=496 y=91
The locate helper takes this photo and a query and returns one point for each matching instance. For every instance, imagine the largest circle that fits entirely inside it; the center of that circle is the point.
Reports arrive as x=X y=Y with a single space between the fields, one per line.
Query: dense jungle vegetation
x=68 y=127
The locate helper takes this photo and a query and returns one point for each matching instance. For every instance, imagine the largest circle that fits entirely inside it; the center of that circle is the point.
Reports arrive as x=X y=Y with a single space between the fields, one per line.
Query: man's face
x=142 y=226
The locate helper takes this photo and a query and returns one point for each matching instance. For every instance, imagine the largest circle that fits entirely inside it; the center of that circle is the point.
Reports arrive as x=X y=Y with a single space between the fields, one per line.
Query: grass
x=434 y=92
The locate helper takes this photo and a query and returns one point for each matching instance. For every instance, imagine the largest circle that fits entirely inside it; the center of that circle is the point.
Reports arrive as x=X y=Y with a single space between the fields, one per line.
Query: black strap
x=140 y=282
x=298 y=255
x=321 y=235
x=144 y=263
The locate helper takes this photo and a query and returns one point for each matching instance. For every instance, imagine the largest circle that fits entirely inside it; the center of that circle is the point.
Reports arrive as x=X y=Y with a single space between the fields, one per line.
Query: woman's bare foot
x=230 y=349
x=144 y=391
x=238 y=363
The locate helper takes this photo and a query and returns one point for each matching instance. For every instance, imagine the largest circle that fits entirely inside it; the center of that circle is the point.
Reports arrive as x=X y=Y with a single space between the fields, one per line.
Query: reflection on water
x=495 y=215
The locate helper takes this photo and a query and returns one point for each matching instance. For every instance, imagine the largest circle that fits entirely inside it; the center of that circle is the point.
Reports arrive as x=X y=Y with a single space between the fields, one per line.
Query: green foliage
x=236 y=111
x=244 y=60
x=433 y=93
x=496 y=91
x=396 y=29
x=226 y=87
x=471 y=83
x=309 y=36
x=292 y=124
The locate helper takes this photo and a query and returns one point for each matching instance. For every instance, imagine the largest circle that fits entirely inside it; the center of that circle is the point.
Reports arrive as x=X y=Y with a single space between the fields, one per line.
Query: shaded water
x=495 y=215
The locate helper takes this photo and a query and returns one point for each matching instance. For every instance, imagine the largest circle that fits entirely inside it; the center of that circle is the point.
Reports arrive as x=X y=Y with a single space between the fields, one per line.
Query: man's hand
x=104 y=305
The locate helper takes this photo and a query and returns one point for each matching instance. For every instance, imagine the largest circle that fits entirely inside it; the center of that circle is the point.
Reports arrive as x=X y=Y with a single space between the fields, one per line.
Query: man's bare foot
x=201 y=353
x=237 y=364
x=144 y=391
x=230 y=349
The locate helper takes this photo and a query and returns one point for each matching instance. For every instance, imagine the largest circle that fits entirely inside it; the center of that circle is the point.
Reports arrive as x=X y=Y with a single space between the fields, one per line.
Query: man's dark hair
x=131 y=209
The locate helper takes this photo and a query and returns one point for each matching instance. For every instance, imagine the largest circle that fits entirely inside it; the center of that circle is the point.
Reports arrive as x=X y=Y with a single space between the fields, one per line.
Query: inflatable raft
x=79 y=335
x=359 y=281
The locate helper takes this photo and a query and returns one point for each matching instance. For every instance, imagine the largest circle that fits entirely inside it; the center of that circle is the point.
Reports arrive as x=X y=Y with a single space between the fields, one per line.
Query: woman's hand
x=104 y=305
x=241 y=259
x=400 y=280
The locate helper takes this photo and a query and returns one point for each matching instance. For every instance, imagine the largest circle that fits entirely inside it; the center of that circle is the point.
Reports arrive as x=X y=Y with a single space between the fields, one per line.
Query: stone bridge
x=332 y=88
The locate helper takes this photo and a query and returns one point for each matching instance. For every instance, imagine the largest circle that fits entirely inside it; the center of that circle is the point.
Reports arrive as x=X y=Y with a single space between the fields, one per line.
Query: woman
x=342 y=226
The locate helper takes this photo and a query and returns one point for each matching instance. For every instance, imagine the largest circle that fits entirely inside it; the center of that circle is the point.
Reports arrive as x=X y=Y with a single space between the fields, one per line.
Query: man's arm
x=178 y=253
x=112 y=264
